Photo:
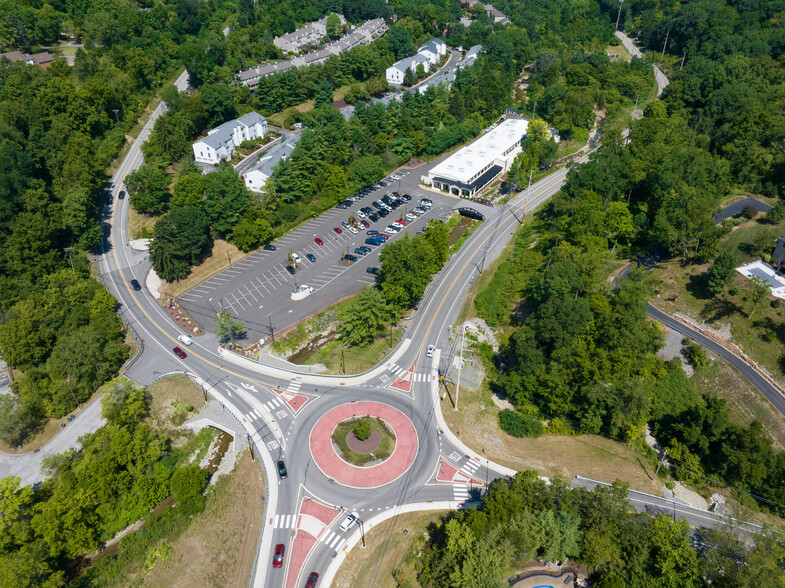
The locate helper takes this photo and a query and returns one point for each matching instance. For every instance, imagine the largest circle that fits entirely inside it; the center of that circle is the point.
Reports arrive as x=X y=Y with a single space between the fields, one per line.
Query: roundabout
x=336 y=466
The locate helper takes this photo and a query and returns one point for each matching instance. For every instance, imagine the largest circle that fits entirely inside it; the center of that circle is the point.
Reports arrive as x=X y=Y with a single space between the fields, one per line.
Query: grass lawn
x=386 y=445
x=137 y=222
x=174 y=400
x=477 y=425
x=744 y=402
x=218 y=547
x=219 y=260
x=357 y=359
x=384 y=563
x=682 y=289
x=619 y=53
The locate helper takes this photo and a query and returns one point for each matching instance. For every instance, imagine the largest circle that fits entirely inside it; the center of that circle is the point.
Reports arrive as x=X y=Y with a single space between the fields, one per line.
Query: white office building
x=470 y=170
x=220 y=142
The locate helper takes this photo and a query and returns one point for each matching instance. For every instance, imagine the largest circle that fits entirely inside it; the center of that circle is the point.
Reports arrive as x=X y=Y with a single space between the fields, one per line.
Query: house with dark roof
x=308 y=35
x=43 y=59
x=433 y=50
x=250 y=77
x=220 y=142
x=397 y=70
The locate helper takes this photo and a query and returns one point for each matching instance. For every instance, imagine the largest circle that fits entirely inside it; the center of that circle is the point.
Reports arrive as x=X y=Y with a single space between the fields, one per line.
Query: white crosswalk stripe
x=284 y=521
x=294 y=385
x=335 y=542
x=470 y=467
x=460 y=492
x=327 y=536
x=251 y=416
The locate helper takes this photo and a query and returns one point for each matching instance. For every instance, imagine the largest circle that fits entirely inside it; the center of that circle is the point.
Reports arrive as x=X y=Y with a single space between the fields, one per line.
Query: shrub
x=187 y=483
x=749 y=211
x=519 y=425
x=695 y=354
x=362 y=429
x=735 y=291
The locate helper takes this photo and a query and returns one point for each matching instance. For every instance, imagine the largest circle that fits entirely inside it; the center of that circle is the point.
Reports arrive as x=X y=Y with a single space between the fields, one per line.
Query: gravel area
x=673 y=348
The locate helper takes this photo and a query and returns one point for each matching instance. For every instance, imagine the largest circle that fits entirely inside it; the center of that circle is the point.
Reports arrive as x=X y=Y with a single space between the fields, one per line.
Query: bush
x=519 y=425
x=735 y=291
x=362 y=429
x=695 y=354
x=749 y=211
x=615 y=42
x=188 y=483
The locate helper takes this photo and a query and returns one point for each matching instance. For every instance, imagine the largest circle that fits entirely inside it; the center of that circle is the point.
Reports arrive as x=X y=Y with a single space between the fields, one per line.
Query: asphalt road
x=277 y=431
x=733 y=209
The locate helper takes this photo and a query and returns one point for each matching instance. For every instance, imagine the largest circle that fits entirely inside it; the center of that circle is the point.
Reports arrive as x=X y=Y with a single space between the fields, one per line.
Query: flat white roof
x=469 y=161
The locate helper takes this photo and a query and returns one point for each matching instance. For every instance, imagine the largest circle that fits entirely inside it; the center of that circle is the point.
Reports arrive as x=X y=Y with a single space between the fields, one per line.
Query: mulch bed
x=184 y=321
x=365 y=447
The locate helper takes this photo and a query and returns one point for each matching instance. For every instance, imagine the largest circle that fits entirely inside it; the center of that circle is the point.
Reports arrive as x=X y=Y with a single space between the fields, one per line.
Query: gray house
x=220 y=142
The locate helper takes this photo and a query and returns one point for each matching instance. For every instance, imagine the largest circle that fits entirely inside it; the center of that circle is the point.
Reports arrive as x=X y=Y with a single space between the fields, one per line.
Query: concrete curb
x=320 y=380
x=259 y=573
x=445 y=430
x=355 y=537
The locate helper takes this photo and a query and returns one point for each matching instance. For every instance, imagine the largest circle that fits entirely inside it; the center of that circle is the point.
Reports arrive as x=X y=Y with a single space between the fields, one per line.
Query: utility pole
x=664 y=455
x=526 y=205
x=618 y=15
x=272 y=333
x=343 y=363
x=229 y=258
x=460 y=367
x=665 y=44
x=250 y=446
x=682 y=60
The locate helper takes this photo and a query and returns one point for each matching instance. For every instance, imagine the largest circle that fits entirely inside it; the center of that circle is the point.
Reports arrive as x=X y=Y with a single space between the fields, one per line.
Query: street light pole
x=460 y=367
x=362 y=531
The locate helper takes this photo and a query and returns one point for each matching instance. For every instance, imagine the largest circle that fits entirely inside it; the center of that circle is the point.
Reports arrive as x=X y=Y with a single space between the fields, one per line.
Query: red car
x=365 y=223
x=318 y=241
x=337 y=230
x=179 y=353
x=312 y=577
x=278 y=557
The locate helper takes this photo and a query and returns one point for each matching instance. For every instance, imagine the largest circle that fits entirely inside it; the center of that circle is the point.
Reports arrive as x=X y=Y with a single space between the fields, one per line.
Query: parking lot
x=257 y=289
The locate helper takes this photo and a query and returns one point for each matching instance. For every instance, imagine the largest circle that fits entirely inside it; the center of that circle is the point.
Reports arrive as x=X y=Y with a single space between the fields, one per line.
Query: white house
x=433 y=50
x=220 y=142
x=397 y=70
x=256 y=177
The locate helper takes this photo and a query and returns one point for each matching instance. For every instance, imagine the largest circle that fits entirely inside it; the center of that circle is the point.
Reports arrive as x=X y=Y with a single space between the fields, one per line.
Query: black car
x=349 y=257
x=291 y=270
x=372 y=270
x=282 y=470
x=311 y=257
x=373 y=217
x=377 y=205
x=367 y=210
x=406 y=197
x=136 y=285
x=121 y=195
x=359 y=251
x=383 y=213
x=269 y=247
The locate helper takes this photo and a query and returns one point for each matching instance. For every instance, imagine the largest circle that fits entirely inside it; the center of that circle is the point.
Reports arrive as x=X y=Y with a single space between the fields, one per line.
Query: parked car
x=367 y=210
x=359 y=251
x=353 y=231
x=318 y=241
x=269 y=247
x=291 y=270
x=278 y=557
x=296 y=258
x=179 y=353
x=374 y=217
x=430 y=350
x=136 y=285
x=312 y=578
x=337 y=230
x=372 y=270
x=383 y=213
x=349 y=257
x=391 y=230
x=409 y=216
x=311 y=257
x=185 y=340
x=365 y=223
x=359 y=214
x=398 y=224
x=377 y=204
x=345 y=224
x=282 y=473
x=406 y=197
x=372 y=232
x=372 y=241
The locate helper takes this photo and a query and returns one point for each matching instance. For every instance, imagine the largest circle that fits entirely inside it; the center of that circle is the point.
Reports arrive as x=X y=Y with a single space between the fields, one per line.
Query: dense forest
x=525 y=518
x=580 y=350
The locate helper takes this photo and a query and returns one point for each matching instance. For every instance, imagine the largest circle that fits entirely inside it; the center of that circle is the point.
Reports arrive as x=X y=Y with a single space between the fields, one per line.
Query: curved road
x=279 y=409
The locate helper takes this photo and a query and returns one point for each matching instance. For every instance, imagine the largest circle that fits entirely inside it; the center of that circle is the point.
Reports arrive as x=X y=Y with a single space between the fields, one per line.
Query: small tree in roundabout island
x=362 y=429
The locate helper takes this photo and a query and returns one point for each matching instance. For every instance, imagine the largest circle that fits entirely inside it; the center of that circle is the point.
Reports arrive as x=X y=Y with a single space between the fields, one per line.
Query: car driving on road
x=278 y=557
x=282 y=470
x=179 y=353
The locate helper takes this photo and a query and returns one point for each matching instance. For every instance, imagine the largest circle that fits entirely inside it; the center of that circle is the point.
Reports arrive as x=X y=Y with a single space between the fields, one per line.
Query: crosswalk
x=294 y=386
x=460 y=492
x=470 y=467
x=284 y=521
x=398 y=371
x=270 y=406
x=330 y=538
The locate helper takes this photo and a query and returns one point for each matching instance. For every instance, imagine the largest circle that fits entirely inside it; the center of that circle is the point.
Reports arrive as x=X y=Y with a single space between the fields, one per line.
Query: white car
x=398 y=225
x=430 y=350
x=390 y=231
x=352 y=230
x=185 y=340
x=409 y=217
x=296 y=258
x=418 y=211
x=349 y=521
x=359 y=214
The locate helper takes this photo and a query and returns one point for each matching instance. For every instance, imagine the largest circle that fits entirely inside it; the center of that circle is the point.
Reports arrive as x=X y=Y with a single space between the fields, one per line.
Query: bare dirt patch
x=385 y=553
x=218 y=547
x=366 y=446
x=476 y=424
